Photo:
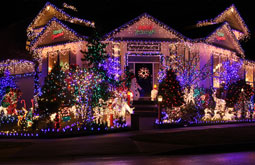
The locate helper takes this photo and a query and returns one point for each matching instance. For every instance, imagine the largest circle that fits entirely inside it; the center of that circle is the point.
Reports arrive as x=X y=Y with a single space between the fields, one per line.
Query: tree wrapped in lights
x=96 y=53
x=111 y=66
x=170 y=89
x=238 y=95
x=230 y=73
x=6 y=82
x=187 y=67
x=237 y=92
x=95 y=57
x=81 y=83
x=55 y=93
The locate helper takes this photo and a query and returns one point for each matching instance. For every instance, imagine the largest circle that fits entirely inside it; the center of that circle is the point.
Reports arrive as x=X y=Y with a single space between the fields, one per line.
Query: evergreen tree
x=96 y=53
x=55 y=93
x=170 y=90
x=234 y=93
x=95 y=57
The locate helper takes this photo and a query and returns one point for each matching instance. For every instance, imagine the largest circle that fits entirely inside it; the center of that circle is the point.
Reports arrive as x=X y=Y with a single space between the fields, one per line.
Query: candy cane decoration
x=24 y=102
x=33 y=106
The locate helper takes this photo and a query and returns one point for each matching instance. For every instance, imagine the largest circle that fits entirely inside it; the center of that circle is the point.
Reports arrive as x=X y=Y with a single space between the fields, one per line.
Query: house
x=144 y=44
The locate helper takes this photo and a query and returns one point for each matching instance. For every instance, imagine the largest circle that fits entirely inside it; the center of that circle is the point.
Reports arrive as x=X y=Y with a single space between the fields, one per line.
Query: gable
x=46 y=14
x=233 y=18
x=144 y=26
x=224 y=37
x=49 y=11
x=55 y=33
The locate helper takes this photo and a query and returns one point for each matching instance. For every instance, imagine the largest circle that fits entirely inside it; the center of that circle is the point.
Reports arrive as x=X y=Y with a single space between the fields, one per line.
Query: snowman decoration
x=134 y=88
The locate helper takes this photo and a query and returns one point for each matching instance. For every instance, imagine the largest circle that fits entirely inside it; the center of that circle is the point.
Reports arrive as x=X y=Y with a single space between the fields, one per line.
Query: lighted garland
x=16 y=67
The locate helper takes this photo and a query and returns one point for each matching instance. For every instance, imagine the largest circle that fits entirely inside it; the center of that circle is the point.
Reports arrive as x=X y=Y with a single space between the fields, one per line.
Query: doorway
x=144 y=76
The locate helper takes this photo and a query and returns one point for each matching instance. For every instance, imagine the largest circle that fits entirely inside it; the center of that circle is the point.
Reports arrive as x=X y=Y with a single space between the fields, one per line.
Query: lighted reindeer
x=216 y=115
x=219 y=107
x=229 y=116
x=120 y=105
x=208 y=114
x=189 y=95
x=74 y=111
x=53 y=116
x=126 y=108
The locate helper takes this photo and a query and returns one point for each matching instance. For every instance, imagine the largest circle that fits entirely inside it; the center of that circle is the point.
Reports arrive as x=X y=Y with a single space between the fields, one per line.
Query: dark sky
x=110 y=14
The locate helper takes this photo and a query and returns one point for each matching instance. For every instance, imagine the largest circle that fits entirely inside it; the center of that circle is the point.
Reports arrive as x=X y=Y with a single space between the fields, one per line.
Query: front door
x=144 y=76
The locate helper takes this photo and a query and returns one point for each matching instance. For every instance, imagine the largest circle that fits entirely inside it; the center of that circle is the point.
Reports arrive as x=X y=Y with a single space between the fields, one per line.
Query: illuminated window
x=218 y=68
x=216 y=82
x=216 y=65
x=52 y=60
x=249 y=75
x=63 y=57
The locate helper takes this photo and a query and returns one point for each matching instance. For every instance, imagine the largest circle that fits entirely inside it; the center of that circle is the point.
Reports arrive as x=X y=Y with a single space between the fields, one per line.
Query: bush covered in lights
x=232 y=103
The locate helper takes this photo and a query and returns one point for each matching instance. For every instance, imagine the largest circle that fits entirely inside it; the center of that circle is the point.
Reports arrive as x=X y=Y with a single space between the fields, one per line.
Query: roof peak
x=65 y=16
x=230 y=15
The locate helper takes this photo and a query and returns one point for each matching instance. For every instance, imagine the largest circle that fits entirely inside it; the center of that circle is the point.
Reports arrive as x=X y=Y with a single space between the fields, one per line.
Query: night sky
x=110 y=14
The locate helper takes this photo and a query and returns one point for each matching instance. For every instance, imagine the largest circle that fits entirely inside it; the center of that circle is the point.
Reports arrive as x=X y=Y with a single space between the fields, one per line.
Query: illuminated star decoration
x=144 y=73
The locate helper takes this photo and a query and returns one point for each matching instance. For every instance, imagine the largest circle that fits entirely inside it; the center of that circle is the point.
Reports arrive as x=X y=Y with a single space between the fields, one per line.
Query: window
x=218 y=69
x=226 y=70
x=249 y=74
x=64 y=59
x=52 y=60
x=62 y=56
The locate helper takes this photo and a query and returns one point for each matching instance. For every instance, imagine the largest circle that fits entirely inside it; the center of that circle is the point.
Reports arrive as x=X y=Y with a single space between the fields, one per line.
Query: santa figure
x=154 y=93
